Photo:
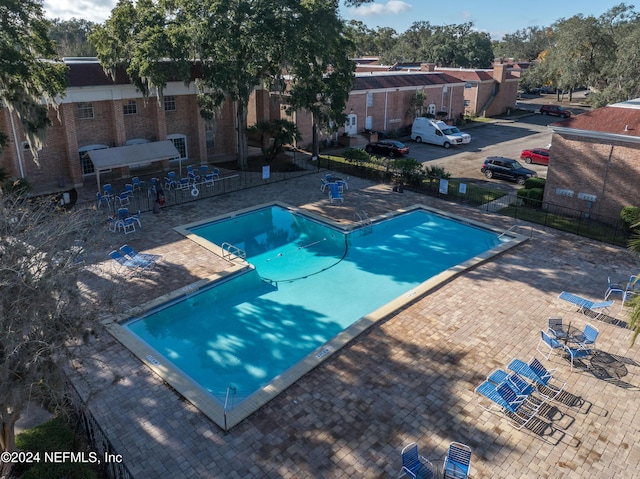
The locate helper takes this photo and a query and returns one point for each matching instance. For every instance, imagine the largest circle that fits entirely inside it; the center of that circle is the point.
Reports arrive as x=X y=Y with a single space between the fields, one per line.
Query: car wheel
x=488 y=174
x=543 y=112
x=527 y=160
x=392 y=154
x=368 y=149
x=520 y=180
x=446 y=144
x=418 y=139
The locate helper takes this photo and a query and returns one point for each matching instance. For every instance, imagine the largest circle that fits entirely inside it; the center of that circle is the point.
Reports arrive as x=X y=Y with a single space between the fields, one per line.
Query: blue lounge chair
x=540 y=377
x=457 y=462
x=518 y=410
x=135 y=255
x=414 y=465
x=585 y=305
x=133 y=265
x=518 y=384
x=334 y=193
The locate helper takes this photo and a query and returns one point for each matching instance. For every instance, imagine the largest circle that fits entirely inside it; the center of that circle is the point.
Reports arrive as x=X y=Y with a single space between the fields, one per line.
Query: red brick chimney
x=427 y=67
x=499 y=71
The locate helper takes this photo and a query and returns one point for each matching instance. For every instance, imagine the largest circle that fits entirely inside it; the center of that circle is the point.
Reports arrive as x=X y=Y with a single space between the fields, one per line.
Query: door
x=351 y=126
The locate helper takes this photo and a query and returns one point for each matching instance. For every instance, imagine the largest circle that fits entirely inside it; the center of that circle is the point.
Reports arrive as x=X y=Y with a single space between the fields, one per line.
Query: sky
x=496 y=17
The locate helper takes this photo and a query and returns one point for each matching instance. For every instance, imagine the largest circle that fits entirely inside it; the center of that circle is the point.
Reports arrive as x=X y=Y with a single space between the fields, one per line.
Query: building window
x=431 y=109
x=130 y=108
x=368 y=122
x=85 y=110
x=169 y=103
x=180 y=142
x=85 y=161
x=468 y=85
x=467 y=103
x=369 y=99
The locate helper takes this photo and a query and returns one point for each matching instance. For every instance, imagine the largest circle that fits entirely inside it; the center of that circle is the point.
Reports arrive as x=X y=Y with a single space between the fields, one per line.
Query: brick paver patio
x=409 y=378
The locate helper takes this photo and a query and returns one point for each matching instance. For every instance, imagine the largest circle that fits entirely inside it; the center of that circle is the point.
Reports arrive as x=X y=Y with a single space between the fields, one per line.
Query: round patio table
x=607 y=366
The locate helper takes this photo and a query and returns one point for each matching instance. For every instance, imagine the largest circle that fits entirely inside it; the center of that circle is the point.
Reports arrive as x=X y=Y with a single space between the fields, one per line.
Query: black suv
x=506 y=168
x=555 y=110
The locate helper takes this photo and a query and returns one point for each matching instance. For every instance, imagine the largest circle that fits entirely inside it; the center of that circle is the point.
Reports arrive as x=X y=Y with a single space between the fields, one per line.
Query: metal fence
x=603 y=228
x=606 y=229
x=111 y=461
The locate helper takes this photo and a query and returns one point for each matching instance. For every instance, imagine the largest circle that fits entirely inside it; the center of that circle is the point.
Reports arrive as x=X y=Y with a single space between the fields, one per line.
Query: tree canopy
x=26 y=77
x=238 y=44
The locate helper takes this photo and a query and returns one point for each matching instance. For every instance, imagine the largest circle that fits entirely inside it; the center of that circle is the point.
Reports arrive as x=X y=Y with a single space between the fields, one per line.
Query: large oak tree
x=29 y=78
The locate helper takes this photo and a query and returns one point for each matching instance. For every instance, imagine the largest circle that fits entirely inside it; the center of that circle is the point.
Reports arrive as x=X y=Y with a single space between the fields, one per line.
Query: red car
x=539 y=156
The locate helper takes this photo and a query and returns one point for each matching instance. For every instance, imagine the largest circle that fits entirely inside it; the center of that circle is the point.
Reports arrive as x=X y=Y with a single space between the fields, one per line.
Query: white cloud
x=93 y=10
x=392 y=7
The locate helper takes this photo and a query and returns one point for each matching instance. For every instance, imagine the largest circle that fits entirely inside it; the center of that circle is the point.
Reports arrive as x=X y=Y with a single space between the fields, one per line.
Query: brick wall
x=608 y=170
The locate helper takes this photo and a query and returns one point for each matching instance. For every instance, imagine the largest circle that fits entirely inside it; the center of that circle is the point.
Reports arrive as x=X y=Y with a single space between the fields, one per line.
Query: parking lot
x=502 y=137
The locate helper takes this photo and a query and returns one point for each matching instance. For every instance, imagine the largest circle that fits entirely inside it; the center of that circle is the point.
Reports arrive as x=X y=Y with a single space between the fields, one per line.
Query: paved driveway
x=409 y=378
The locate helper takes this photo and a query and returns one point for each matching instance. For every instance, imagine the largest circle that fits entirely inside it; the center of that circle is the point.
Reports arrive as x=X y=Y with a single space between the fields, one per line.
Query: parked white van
x=437 y=132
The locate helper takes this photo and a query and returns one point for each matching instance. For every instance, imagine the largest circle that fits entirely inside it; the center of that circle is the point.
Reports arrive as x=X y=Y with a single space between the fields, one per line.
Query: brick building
x=487 y=92
x=594 y=162
x=99 y=112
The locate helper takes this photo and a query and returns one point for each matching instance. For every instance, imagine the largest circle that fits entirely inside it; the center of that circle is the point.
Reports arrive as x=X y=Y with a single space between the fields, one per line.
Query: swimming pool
x=311 y=287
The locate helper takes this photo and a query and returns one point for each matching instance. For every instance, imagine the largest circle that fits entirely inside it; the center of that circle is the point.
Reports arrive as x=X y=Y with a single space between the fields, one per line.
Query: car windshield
x=397 y=144
x=515 y=165
x=450 y=131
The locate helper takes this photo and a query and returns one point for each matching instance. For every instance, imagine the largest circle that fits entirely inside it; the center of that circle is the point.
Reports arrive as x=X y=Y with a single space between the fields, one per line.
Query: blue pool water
x=310 y=282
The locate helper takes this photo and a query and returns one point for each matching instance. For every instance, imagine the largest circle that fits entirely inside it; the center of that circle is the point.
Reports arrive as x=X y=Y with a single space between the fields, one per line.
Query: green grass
x=53 y=435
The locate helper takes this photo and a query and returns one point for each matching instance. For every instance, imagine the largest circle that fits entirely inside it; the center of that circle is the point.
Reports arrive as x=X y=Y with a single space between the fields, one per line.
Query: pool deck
x=408 y=378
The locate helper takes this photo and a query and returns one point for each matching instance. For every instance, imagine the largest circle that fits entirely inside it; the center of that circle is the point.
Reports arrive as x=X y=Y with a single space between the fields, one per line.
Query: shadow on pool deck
x=409 y=378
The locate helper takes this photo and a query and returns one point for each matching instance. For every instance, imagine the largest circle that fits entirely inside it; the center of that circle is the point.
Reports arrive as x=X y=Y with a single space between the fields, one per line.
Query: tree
x=448 y=46
x=281 y=132
x=634 y=302
x=71 y=37
x=42 y=307
x=320 y=69
x=525 y=45
x=26 y=77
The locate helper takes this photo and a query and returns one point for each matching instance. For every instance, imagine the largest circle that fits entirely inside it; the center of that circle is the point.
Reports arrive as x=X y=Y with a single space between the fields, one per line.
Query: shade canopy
x=131 y=155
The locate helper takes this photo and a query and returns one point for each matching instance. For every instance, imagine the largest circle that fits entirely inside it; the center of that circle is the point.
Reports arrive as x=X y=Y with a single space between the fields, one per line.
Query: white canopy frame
x=130 y=155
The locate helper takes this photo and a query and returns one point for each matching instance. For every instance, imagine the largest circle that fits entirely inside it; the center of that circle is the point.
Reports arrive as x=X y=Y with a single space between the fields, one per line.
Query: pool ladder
x=364 y=222
x=231 y=252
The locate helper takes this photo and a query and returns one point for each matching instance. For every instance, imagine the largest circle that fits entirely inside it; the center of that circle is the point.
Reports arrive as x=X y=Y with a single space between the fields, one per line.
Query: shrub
x=410 y=170
x=630 y=216
x=531 y=197
x=536 y=194
x=357 y=155
x=437 y=172
x=535 y=183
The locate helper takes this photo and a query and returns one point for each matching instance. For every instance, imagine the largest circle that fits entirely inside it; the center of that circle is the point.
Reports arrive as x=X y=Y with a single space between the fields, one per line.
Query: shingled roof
x=400 y=80
x=86 y=72
x=617 y=121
